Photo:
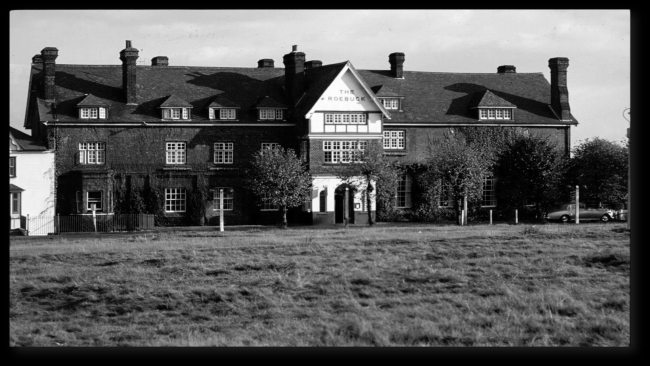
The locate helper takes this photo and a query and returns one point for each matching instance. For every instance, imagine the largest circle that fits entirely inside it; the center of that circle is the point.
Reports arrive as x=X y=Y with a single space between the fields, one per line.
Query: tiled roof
x=25 y=141
x=174 y=101
x=222 y=102
x=15 y=188
x=91 y=101
x=429 y=97
x=486 y=98
x=268 y=102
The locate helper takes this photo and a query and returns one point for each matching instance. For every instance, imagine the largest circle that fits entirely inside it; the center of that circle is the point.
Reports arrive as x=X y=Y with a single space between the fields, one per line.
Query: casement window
x=15 y=203
x=345 y=118
x=223 y=152
x=267 y=205
x=223 y=113
x=393 y=139
x=92 y=113
x=92 y=153
x=270 y=145
x=12 y=167
x=228 y=198
x=323 y=201
x=495 y=113
x=175 y=199
x=390 y=103
x=94 y=198
x=403 y=196
x=271 y=114
x=342 y=151
x=176 y=113
x=176 y=153
x=445 y=195
x=489 y=196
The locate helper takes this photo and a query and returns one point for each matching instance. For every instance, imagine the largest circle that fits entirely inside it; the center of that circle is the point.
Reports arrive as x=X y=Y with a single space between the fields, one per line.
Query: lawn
x=406 y=285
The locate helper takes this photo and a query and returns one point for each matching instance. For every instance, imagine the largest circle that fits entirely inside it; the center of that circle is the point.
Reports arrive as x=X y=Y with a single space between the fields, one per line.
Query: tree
x=530 y=170
x=367 y=166
x=462 y=165
x=280 y=178
x=601 y=168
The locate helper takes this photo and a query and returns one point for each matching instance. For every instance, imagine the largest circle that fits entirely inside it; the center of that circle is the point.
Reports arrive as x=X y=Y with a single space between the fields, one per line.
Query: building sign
x=344 y=96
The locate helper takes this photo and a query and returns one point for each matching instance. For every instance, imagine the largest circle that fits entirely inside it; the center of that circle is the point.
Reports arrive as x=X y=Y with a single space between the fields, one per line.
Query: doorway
x=339 y=201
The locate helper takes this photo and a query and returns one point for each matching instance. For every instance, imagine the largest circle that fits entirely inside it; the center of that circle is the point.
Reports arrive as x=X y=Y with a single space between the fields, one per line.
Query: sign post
x=346 y=207
x=220 y=209
x=94 y=218
x=577 y=205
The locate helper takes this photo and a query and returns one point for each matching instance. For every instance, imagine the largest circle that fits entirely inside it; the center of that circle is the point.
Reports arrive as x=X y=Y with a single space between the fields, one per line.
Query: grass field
x=409 y=285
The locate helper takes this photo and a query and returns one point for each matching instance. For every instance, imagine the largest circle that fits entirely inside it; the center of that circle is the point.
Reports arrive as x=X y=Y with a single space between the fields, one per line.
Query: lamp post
x=629 y=169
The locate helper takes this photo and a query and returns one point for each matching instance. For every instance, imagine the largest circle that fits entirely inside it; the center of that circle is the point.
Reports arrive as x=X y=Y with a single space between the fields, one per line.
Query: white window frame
x=270 y=145
x=12 y=167
x=390 y=103
x=92 y=153
x=403 y=192
x=394 y=140
x=97 y=201
x=92 y=113
x=335 y=152
x=346 y=119
x=223 y=152
x=228 y=199
x=267 y=206
x=15 y=203
x=175 y=200
x=488 y=197
x=227 y=113
x=175 y=113
x=176 y=152
x=495 y=113
x=271 y=114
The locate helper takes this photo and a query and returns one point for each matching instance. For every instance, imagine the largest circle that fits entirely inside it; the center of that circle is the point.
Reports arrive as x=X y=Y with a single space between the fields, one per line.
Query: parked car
x=567 y=212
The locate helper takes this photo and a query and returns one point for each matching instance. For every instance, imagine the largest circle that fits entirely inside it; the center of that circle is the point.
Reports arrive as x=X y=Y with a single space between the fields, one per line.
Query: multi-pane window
x=175 y=199
x=495 y=113
x=267 y=205
x=271 y=114
x=270 y=145
x=227 y=114
x=445 y=195
x=393 y=139
x=391 y=103
x=92 y=153
x=223 y=152
x=94 y=198
x=489 y=197
x=176 y=113
x=345 y=118
x=175 y=153
x=342 y=151
x=12 y=167
x=323 y=201
x=403 y=196
x=92 y=113
x=15 y=202
x=228 y=198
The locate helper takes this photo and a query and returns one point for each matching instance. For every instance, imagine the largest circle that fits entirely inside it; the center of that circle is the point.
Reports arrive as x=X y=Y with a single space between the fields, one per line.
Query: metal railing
x=48 y=224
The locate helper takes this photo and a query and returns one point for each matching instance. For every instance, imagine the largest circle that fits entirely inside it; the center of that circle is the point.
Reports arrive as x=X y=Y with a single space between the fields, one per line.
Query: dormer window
x=495 y=113
x=271 y=114
x=92 y=113
x=390 y=103
x=223 y=113
x=175 y=113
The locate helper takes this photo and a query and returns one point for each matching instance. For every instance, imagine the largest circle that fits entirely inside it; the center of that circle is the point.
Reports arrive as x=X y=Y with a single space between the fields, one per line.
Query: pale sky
x=597 y=43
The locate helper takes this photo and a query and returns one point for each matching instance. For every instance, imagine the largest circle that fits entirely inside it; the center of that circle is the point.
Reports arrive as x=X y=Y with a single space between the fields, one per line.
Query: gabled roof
x=92 y=101
x=486 y=98
x=222 y=102
x=384 y=91
x=268 y=102
x=174 y=101
x=24 y=141
x=15 y=188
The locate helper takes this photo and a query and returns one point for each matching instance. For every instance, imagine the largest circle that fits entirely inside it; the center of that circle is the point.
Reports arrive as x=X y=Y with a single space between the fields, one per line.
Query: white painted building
x=31 y=184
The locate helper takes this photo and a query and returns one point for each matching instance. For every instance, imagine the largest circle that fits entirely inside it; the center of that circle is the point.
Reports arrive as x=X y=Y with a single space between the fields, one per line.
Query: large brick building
x=164 y=138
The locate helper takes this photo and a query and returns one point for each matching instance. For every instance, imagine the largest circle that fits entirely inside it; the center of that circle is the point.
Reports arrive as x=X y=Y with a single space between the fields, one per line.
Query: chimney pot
x=559 y=90
x=506 y=69
x=128 y=44
x=265 y=62
x=396 y=61
x=160 y=61
x=313 y=63
x=294 y=48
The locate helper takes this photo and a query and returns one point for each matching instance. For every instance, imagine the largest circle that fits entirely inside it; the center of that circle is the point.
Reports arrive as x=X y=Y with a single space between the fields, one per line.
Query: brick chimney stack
x=160 y=61
x=265 y=62
x=37 y=59
x=49 y=55
x=559 y=90
x=506 y=69
x=396 y=60
x=128 y=56
x=294 y=67
x=312 y=64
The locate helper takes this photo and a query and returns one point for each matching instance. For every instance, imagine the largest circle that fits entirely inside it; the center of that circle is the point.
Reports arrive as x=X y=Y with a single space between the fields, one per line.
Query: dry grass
x=551 y=285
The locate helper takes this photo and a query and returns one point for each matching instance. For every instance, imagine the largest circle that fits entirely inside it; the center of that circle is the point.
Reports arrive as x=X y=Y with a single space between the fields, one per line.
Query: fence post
x=490 y=217
x=516 y=217
x=220 y=209
x=577 y=204
x=94 y=218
